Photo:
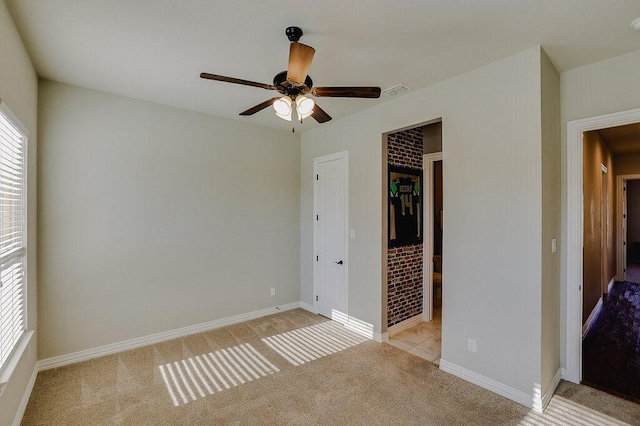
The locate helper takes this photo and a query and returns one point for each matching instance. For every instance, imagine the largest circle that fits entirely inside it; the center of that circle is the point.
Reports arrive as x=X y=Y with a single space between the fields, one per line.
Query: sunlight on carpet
x=313 y=342
x=205 y=374
x=562 y=412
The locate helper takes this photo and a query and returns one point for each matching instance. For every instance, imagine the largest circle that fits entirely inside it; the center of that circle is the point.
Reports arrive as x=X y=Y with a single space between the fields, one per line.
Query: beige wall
x=551 y=166
x=595 y=154
x=19 y=90
x=156 y=218
x=492 y=257
x=590 y=91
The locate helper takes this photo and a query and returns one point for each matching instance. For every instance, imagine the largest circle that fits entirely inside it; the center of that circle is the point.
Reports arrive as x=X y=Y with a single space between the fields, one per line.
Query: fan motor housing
x=286 y=87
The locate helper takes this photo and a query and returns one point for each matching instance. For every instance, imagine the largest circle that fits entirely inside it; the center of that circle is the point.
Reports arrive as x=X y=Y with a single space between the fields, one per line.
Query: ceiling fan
x=295 y=84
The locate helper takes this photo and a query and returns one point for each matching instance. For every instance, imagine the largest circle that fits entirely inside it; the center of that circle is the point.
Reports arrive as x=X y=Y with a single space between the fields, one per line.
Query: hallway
x=611 y=349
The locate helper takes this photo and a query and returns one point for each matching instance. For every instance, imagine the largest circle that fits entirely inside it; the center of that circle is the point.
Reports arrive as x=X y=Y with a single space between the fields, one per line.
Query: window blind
x=12 y=233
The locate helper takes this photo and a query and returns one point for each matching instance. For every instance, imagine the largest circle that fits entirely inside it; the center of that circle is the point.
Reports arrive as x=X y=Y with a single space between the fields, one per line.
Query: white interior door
x=330 y=236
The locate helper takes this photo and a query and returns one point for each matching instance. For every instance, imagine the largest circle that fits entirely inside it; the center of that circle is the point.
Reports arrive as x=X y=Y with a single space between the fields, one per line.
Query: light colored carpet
x=291 y=368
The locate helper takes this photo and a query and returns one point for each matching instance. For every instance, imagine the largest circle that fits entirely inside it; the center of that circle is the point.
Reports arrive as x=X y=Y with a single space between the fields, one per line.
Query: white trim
x=342 y=155
x=593 y=316
x=610 y=285
x=541 y=402
x=17 y=420
x=363 y=328
x=575 y=129
x=621 y=249
x=14 y=359
x=379 y=338
x=403 y=325
x=126 y=345
x=4 y=108
x=308 y=307
x=355 y=324
x=428 y=161
x=604 y=168
x=487 y=383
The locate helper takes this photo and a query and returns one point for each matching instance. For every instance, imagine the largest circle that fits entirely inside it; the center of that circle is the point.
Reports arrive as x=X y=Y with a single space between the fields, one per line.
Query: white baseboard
x=25 y=397
x=308 y=307
x=610 y=285
x=384 y=337
x=363 y=328
x=487 y=383
x=352 y=323
x=593 y=316
x=126 y=345
x=540 y=402
x=565 y=374
x=404 y=325
x=378 y=337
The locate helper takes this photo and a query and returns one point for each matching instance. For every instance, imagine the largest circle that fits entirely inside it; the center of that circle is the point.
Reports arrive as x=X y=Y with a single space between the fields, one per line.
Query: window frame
x=21 y=344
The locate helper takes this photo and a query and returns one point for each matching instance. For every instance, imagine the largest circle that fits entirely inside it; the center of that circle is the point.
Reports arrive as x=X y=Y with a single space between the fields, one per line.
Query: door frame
x=574 y=232
x=621 y=196
x=604 y=229
x=342 y=155
x=427 y=231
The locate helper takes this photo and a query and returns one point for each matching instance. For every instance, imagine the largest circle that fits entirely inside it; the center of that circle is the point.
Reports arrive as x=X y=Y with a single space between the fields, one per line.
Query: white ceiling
x=155 y=49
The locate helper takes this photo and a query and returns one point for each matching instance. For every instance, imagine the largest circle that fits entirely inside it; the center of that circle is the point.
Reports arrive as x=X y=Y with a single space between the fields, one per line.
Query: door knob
x=339 y=262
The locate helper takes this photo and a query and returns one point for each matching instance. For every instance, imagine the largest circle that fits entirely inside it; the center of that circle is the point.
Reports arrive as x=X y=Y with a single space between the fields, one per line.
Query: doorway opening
x=603 y=335
x=628 y=247
x=414 y=298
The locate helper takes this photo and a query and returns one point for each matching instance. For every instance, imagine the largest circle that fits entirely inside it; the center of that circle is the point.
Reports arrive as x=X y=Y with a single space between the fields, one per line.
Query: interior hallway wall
x=596 y=153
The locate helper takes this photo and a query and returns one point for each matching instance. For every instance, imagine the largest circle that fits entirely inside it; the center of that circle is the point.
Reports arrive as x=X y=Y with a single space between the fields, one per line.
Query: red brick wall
x=404 y=264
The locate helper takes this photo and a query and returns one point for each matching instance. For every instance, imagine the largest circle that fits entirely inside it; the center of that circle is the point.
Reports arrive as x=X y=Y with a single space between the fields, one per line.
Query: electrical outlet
x=553 y=245
x=273 y=291
x=472 y=345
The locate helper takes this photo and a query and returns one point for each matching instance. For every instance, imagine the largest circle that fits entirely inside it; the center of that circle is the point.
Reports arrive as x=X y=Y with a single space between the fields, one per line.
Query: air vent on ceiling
x=396 y=90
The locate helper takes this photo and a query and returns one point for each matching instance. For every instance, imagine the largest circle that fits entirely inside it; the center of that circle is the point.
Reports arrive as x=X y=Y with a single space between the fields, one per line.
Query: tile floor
x=423 y=340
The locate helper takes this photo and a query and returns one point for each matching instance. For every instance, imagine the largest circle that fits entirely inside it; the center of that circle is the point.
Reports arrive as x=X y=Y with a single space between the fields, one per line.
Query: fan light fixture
x=283 y=107
x=304 y=107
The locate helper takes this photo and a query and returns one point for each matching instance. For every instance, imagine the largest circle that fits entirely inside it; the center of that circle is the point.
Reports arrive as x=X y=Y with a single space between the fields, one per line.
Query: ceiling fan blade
x=320 y=115
x=236 y=81
x=300 y=57
x=347 y=92
x=258 y=107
